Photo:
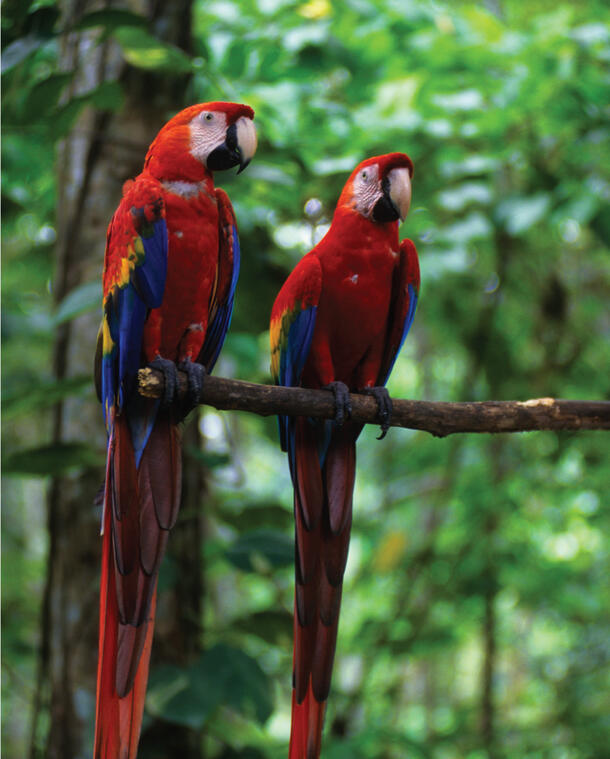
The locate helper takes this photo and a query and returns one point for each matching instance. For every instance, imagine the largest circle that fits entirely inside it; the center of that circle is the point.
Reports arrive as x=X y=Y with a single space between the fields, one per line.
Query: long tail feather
x=307 y=723
x=140 y=506
x=118 y=718
x=323 y=516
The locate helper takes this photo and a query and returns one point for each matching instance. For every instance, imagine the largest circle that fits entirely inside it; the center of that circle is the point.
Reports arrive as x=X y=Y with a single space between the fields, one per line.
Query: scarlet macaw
x=338 y=322
x=170 y=269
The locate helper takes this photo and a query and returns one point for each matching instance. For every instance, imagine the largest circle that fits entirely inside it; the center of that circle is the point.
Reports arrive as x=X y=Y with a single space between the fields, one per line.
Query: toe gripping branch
x=343 y=405
x=384 y=407
x=170 y=379
x=195 y=374
x=195 y=377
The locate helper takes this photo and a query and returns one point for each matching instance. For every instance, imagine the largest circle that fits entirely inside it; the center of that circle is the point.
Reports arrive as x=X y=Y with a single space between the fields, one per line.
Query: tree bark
x=437 y=417
x=92 y=164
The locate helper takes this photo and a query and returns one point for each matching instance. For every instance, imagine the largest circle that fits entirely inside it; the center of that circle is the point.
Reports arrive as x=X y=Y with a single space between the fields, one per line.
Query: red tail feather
x=323 y=514
x=137 y=516
x=307 y=722
x=118 y=719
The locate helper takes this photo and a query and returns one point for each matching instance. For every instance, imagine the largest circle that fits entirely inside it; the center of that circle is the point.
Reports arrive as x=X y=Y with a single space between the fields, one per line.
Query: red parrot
x=170 y=269
x=338 y=322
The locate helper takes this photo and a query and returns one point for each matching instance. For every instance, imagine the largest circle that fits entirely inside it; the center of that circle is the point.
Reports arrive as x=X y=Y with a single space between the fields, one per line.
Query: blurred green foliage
x=503 y=107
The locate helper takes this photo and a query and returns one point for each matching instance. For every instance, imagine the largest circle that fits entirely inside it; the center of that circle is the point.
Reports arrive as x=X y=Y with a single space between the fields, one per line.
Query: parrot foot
x=196 y=376
x=343 y=406
x=384 y=407
x=170 y=376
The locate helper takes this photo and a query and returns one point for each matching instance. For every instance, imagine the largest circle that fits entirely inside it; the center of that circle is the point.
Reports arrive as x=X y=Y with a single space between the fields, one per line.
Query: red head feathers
x=203 y=138
x=379 y=188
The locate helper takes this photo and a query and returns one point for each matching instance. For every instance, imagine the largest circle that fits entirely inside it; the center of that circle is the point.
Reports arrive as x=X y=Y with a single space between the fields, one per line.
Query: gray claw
x=170 y=377
x=195 y=376
x=384 y=407
x=343 y=405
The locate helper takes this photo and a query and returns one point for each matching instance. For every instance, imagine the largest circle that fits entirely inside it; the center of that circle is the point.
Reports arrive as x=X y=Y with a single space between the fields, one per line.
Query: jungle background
x=475 y=616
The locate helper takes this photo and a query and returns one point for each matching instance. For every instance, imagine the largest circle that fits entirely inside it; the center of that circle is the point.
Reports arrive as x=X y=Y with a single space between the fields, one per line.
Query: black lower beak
x=242 y=165
x=384 y=210
x=228 y=154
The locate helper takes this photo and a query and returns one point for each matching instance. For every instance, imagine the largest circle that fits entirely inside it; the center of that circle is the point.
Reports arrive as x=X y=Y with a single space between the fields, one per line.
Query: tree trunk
x=102 y=151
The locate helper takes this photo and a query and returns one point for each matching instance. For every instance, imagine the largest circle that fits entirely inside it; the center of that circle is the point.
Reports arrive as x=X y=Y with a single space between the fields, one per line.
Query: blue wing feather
x=293 y=323
x=292 y=360
x=412 y=294
x=126 y=308
x=219 y=327
x=149 y=277
x=132 y=315
x=293 y=357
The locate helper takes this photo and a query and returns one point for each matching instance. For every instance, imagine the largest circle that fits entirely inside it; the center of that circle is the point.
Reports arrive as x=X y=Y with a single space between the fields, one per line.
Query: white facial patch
x=208 y=131
x=366 y=189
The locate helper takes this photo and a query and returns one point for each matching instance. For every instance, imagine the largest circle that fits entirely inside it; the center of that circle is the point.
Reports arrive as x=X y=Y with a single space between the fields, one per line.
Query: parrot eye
x=209 y=116
x=365 y=175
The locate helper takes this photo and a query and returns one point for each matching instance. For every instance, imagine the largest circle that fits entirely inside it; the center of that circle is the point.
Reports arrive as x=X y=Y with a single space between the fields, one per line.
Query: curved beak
x=395 y=199
x=399 y=191
x=237 y=149
x=246 y=141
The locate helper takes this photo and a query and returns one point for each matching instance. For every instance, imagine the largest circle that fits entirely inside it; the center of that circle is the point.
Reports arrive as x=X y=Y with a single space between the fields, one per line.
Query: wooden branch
x=438 y=418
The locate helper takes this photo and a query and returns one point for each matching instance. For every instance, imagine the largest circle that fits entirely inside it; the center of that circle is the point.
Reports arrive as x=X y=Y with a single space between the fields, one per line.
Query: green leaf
x=274 y=627
x=246 y=687
x=64 y=118
x=43 y=17
x=274 y=547
x=41 y=25
x=82 y=299
x=52 y=459
x=19 y=50
x=256 y=515
x=44 y=95
x=107 y=97
x=144 y=51
x=222 y=676
x=43 y=395
x=175 y=695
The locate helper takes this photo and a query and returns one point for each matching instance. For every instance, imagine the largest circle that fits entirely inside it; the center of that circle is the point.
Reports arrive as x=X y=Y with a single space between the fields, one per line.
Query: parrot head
x=223 y=135
x=213 y=136
x=380 y=188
